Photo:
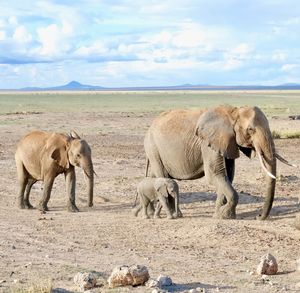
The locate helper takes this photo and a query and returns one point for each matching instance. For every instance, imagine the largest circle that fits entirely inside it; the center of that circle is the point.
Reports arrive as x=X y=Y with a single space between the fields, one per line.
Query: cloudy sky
x=149 y=43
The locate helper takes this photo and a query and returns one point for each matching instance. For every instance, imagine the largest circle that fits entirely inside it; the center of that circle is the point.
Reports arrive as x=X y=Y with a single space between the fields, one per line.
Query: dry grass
x=281 y=135
x=45 y=287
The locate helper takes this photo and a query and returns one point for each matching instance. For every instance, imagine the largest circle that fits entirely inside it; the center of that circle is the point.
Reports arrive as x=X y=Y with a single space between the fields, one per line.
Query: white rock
x=125 y=276
x=85 y=281
x=268 y=265
x=164 y=281
x=152 y=283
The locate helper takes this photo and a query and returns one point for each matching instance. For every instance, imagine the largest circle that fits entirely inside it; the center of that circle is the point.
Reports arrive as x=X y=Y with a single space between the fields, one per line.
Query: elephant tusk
x=263 y=165
x=280 y=158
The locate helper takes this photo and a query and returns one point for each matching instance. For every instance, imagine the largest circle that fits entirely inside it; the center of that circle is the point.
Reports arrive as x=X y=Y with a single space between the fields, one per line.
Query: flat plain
x=196 y=251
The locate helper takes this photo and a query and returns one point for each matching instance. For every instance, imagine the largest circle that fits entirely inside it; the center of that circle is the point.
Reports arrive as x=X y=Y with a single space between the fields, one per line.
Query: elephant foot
x=136 y=211
x=156 y=216
x=225 y=213
x=73 y=208
x=146 y=217
x=28 y=206
x=177 y=215
x=42 y=207
x=21 y=206
x=170 y=217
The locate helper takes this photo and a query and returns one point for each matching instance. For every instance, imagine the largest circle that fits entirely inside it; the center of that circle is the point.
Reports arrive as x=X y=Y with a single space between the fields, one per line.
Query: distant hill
x=71 y=86
x=77 y=86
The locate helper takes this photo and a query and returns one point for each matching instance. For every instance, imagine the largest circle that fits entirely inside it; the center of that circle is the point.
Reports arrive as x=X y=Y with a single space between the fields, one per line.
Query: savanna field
x=43 y=251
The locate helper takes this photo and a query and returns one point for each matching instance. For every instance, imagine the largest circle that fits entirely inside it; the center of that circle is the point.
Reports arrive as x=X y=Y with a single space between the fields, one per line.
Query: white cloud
x=289 y=67
x=21 y=35
x=2 y=35
x=54 y=39
x=12 y=20
x=97 y=48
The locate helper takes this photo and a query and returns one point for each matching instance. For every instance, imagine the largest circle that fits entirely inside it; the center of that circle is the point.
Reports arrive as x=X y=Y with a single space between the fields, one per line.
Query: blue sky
x=149 y=43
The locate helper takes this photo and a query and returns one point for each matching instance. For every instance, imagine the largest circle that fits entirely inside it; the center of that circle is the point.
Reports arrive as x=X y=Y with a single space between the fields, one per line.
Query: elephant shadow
x=192 y=197
x=286 y=210
x=190 y=286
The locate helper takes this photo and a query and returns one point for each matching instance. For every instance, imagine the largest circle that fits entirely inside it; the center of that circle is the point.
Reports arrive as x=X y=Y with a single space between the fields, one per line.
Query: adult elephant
x=41 y=156
x=188 y=144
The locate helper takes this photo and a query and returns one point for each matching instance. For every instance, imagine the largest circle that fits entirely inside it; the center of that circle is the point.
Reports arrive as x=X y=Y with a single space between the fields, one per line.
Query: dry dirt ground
x=196 y=251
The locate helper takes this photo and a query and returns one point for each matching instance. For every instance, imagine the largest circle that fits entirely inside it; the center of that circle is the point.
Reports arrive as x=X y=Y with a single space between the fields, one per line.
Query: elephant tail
x=147 y=167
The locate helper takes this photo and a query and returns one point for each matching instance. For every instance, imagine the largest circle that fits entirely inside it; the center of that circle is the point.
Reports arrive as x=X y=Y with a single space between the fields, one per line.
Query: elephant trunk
x=266 y=154
x=89 y=172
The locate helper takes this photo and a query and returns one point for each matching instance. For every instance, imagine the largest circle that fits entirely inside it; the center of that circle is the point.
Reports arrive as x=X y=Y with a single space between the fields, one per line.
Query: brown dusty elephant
x=164 y=190
x=41 y=156
x=188 y=144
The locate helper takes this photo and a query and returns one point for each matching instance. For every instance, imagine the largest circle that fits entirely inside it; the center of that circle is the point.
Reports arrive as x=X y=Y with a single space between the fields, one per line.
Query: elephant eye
x=250 y=129
x=78 y=155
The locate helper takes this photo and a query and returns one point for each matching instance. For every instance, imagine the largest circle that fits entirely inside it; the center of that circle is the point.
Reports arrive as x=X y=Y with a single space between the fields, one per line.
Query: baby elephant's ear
x=215 y=128
x=59 y=155
x=161 y=187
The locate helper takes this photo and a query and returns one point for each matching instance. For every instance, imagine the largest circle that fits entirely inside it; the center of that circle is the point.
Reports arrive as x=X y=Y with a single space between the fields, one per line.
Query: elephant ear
x=59 y=155
x=160 y=187
x=215 y=128
x=56 y=148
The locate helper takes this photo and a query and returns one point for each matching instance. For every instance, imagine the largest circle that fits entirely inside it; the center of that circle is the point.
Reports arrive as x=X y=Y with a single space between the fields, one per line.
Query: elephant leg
x=29 y=185
x=157 y=210
x=137 y=209
x=230 y=168
x=145 y=204
x=48 y=183
x=164 y=202
x=174 y=204
x=227 y=199
x=150 y=209
x=70 y=177
x=23 y=180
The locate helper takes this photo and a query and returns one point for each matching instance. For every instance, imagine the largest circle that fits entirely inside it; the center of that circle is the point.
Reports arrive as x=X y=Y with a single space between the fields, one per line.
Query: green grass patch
x=281 y=135
x=271 y=102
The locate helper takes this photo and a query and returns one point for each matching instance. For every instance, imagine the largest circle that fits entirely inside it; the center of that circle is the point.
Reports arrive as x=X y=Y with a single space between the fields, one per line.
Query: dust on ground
x=196 y=251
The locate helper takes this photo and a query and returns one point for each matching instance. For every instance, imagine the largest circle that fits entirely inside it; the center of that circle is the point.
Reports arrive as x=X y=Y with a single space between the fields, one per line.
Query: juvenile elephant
x=41 y=156
x=163 y=190
x=188 y=144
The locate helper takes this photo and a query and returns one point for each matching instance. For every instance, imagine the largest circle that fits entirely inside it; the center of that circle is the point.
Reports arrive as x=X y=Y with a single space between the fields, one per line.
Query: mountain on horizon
x=71 y=86
x=77 y=86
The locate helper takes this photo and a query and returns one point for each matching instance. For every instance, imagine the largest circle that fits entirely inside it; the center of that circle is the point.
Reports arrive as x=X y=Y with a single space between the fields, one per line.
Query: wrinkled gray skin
x=164 y=190
x=41 y=156
x=188 y=144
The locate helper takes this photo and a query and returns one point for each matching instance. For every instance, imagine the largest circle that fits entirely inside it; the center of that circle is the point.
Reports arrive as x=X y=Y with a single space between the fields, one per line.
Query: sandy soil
x=197 y=251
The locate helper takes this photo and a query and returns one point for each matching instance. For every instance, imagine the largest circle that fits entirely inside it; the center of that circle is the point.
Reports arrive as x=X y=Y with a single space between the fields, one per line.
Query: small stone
x=193 y=291
x=164 y=280
x=251 y=273
x=125 y=276
x=155 y=291
x=85 y=281
x=268 y=265
x=152 y=283
x=16 y=281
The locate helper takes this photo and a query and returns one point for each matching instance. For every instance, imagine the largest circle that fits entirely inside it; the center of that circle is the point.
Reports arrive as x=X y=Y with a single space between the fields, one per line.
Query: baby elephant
x=163 y=190
x=41 y=156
